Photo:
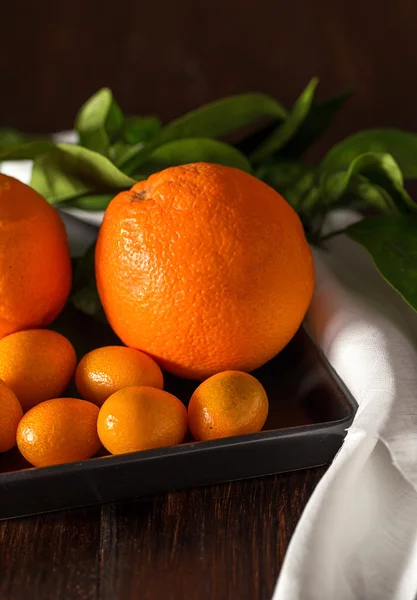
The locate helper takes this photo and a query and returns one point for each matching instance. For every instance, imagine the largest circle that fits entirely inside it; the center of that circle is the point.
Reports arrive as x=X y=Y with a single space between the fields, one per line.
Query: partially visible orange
x=227 y=404
x=205 y=268
x=37 y=365
x=58 y=431
x=35 y=265
x=10 y=414
x=104 y=371
x=140 y=418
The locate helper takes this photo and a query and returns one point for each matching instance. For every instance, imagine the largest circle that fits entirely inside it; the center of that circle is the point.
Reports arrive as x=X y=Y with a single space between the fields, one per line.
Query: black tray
x=310 y=410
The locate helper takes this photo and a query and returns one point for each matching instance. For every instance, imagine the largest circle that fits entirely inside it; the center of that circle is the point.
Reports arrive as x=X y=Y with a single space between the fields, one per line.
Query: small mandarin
x=37 y=365
x=10 y=414
x=58 y=431
x=140 y=418
x=104 y=371
x=227 y=404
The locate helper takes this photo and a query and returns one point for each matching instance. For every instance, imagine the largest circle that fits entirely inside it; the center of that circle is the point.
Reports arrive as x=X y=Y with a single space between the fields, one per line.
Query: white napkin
x=357 y=538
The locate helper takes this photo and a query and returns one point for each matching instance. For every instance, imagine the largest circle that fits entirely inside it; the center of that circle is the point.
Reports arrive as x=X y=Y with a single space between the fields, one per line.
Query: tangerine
x=37 y=365
x=205 y=268
x=104 y=371
x=140 y=418
x=10 y=414
x=58 y=431
x=227 y=404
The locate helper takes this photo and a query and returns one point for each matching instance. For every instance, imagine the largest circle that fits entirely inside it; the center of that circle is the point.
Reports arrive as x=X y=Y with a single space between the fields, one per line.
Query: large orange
x=205 y=268
x=35 y=266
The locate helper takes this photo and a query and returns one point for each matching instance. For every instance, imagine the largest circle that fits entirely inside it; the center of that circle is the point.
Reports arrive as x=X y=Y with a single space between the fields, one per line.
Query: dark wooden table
x=220 y=542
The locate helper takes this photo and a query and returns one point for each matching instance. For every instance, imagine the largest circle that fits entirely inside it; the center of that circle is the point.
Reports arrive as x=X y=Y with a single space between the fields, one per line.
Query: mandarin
x=140 y=418
x=227 y=404
x=10 y=414
x=35 y=265
x=58 y=431
x=205 y=268
x=37 y=365
x=104 y=371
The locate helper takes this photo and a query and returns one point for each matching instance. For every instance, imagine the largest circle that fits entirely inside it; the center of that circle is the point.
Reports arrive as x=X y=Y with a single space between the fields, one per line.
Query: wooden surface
x=216 y=543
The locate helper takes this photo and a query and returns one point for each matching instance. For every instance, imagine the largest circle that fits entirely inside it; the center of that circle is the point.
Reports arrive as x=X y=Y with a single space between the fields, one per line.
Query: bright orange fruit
x=10 y=414
x=37 y=365
x=35 y=265
x=227 y=404
x=140 y=418
x=58 y=431
x=205 y=268
x=104 y=371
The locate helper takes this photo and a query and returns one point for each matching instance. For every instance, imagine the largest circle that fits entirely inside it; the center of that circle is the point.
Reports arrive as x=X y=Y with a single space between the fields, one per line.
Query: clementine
x=37 y=364
x=227 y=404
x=58 y=431
x=104 y=371
x=140 y=418
x=35 y=266
x=205 y=268
x=10 y=414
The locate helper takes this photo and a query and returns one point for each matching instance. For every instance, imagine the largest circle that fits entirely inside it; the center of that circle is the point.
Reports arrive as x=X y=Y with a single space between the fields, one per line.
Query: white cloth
x=357 y=538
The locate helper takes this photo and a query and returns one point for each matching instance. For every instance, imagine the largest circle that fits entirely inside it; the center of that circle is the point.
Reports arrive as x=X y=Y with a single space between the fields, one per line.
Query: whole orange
x=227 y=404
x=205 y=268
x=10 y=414
x=104 y=371
x=37 y=365
x=35 y=265
x=140 y=418
x=58 y=431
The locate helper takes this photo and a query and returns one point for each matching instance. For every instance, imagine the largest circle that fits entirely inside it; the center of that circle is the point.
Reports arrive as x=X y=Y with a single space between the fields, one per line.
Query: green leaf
x=140 y=129
x=27 y=150
x=68 y=172
x=378 y=169
x=400 y=144
x=392 y=243
x=292 y=179
x=214 y=120
x=289 y=127
x=91 y=202
x=99 y=121
x=315 y=124
x=191 y=150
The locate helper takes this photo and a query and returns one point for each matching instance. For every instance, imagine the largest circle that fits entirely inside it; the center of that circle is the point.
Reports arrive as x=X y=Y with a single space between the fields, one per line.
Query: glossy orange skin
x=227 y=404
x=141 y=418
x=35 y=265
x=205 y=268
x=58 y=431
x=104 y=371
x=10 y=414
x=37 y=365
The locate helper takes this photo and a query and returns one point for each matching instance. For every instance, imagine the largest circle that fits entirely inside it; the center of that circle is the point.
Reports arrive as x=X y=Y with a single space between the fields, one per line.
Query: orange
x=37 y=365
x=35 y=265
x=205 y=268
x=58 y=431
x=104 y=371
x=227 y=404
x=10 y=414
x=140 y=418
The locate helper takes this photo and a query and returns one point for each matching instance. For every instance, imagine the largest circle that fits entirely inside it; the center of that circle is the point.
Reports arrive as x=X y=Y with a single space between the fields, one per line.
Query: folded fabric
x=357 y=538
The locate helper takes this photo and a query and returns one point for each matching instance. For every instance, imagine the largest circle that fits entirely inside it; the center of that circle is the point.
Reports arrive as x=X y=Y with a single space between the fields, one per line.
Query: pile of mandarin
x=123 y=406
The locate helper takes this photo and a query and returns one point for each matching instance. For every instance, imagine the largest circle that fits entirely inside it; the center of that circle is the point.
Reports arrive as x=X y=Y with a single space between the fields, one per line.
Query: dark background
x=165 y=57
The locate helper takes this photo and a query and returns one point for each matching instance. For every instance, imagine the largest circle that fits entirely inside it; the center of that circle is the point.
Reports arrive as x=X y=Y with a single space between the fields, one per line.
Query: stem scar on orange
x=205 y=268
x=35 y=265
